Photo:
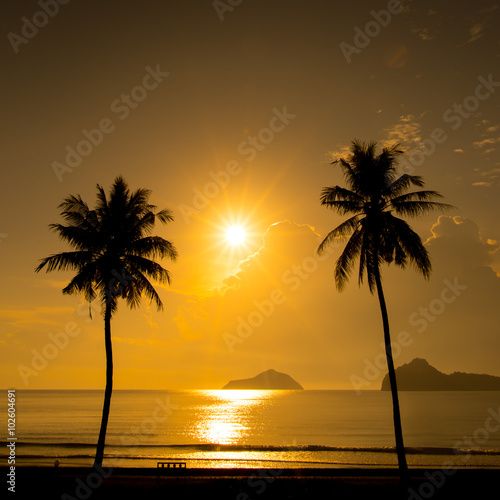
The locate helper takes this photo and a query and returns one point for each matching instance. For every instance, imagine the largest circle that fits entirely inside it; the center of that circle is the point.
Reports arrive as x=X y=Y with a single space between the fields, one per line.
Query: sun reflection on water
x=225 y=421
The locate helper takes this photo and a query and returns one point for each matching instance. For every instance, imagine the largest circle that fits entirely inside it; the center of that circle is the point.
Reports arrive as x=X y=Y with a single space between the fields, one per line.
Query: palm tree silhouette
x=375 y=193
x=111 y=257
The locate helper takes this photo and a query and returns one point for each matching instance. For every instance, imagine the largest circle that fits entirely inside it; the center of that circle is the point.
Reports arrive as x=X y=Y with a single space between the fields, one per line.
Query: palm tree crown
x=375 y=195
x=112 y=246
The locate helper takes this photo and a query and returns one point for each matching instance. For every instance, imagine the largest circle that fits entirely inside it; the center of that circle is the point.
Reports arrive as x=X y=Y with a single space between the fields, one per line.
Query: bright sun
x=235 y=235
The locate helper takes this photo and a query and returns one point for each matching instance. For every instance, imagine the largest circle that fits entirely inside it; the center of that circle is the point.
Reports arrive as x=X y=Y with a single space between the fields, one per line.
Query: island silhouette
x=419 y=375
x=268 y=380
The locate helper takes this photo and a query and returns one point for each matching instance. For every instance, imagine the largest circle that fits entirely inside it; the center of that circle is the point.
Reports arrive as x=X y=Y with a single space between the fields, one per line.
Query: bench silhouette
x=171 y=467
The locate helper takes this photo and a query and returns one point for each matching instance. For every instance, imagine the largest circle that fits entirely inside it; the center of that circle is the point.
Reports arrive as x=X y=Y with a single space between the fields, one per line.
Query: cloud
x=149 y=316
x=489 y=10
x=152 y=341
x=492 y=174
x=458 y=150
x=28 y=318
x=482 y=184
x=341 y=151
x=456 y=243
x=406 y=131
x=458 y=332
x=475 y=33
x=279 y=251
x=193 y=317
x=423 y=34
x=485 y=142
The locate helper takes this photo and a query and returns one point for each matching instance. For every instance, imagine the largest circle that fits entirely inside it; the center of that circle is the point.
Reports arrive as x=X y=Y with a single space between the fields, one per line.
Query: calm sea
x=258 y=428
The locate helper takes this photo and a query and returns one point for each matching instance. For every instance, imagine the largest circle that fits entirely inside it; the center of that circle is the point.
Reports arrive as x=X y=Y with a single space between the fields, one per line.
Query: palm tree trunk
x=398 y=431
x=109 y=387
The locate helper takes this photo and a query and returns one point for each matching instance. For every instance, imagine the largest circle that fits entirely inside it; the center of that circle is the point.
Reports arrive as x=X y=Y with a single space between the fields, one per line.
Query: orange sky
x=232 y=118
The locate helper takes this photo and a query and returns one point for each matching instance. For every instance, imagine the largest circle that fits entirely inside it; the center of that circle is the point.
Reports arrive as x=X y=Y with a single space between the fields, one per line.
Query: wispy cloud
x=475 y=33
x=149 y=316
x=486 y=142
x=406 y=131
x=423 y=34
x=494 y=172
x=340 y=151
x=24 y=318
x=152 y=341
x=489 y=10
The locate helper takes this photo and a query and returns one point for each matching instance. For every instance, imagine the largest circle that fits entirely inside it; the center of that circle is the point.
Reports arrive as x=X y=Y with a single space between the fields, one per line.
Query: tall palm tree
x=374 y=196
x=112 y=251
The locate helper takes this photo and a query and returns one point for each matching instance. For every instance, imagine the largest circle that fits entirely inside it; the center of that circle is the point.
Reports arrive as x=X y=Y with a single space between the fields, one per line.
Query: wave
x=210 y=447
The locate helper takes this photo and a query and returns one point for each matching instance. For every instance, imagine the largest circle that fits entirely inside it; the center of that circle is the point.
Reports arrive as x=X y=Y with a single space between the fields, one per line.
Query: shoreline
x=69 y=483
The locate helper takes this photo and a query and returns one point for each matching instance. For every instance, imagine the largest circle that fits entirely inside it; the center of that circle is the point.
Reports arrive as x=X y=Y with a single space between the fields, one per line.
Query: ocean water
x=258 y=428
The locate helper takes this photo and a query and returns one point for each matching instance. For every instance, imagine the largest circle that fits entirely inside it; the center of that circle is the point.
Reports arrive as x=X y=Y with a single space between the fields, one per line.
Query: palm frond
x=336 y=193
x=417 y=208
x=142 y=286
x=148 y=267
x=65 y=261
x=74 y=204
x=341 y=200
x=341 y=231
x=424 y=195
x=83 y=283
x=369 y=255
x=389 y=155
x=78 y=237
x=403 y=183
x=152 y=247
x=165 y=216
x=345 y=262
x=102 y=201
x=412 y=245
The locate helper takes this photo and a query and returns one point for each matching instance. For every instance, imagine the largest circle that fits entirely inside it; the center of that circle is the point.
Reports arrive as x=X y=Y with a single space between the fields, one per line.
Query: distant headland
x=268 y=380
x=419 y=375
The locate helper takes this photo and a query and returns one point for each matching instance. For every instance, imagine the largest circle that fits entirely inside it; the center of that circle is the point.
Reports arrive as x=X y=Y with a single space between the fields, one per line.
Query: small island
x=419 y=375
x=268 y=380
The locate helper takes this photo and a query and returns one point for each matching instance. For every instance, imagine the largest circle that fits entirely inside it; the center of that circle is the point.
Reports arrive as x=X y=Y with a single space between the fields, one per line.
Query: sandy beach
x=69 y=483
